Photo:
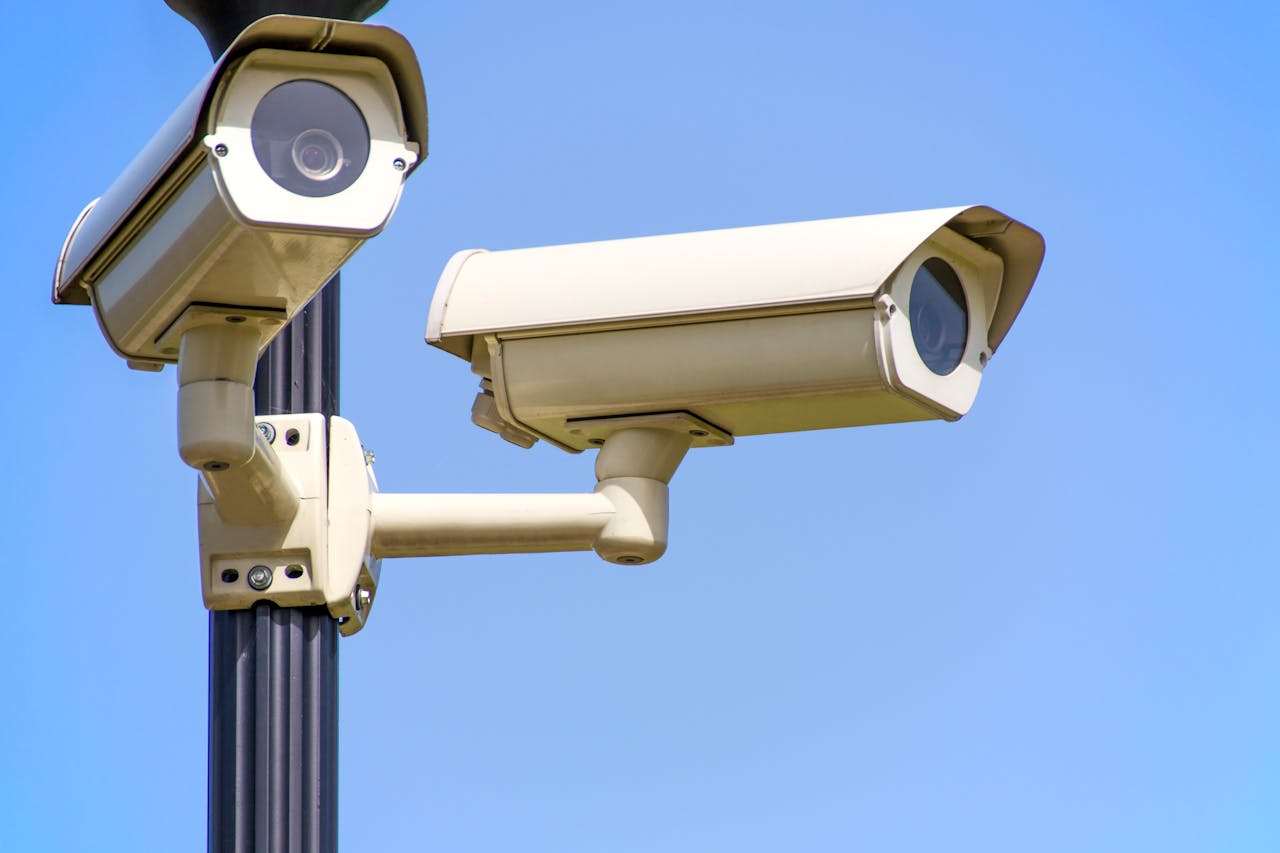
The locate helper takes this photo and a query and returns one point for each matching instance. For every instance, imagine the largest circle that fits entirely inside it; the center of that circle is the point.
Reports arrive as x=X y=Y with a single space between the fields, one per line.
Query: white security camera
x=276 y=168
x=808 y=325
x=279 y=164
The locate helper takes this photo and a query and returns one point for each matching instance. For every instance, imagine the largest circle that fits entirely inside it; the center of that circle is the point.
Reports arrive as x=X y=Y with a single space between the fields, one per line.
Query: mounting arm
x=329 y=550
x=624 y=520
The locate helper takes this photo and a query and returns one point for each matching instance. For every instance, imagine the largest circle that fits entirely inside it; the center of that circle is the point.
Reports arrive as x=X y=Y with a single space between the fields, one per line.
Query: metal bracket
x=321 y=555
x=328 y=551
x=703 y=434
x=267 y=321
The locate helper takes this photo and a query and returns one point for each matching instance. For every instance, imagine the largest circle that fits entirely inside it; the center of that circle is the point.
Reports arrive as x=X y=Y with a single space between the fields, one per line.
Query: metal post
x=273 y=671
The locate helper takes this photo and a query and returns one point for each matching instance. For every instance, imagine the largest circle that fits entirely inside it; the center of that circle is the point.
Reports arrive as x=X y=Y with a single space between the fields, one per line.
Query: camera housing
x=288 y=155
x=809 y=325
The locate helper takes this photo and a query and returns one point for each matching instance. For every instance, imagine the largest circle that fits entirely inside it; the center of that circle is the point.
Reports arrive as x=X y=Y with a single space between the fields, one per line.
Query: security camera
x=646 y=348
x=279 y=164
x=276 y=168
x=807 y=325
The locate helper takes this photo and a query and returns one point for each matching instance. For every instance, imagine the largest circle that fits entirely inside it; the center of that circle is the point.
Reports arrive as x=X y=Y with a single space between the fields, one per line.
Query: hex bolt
x=268 y=432
x=363 y=598
x=259 y=577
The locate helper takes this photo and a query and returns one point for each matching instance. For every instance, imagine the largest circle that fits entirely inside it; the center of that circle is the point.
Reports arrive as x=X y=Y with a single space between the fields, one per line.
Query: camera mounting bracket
x=702 y=434
x=328 y=550
x=320 y=554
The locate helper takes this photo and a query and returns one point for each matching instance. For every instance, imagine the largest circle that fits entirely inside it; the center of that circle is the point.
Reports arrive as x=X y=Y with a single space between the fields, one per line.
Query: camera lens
x=317 y=154
x=310 y=138
x=939 y=316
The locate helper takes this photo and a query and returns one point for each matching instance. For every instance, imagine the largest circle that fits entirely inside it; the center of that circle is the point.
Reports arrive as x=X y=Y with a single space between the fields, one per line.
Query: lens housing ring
x=909 y=339
x=310 y=137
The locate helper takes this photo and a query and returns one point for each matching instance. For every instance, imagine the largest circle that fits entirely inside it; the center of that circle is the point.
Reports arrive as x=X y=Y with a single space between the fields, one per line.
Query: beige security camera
x=276 y=167
x=808 y=325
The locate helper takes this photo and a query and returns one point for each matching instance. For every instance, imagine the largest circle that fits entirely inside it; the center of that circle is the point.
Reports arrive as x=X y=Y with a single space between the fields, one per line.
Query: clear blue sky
x=1052 y=626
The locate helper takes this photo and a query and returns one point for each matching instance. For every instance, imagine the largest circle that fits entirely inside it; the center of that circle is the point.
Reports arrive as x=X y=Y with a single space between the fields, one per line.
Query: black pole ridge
x=273 y=734
x=273 y=671
x=292 y=376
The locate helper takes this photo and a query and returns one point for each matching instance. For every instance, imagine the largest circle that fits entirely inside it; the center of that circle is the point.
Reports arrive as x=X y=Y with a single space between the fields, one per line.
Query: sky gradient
x=1051 y=626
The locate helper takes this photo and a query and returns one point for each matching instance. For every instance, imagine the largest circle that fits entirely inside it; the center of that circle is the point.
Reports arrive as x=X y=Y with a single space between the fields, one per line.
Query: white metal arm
x=624 y=520
x=306 y=525
x=441 y=525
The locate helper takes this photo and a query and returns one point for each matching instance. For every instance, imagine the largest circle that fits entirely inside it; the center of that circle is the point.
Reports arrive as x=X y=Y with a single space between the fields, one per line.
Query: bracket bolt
x=259 y=577
x=268 y=432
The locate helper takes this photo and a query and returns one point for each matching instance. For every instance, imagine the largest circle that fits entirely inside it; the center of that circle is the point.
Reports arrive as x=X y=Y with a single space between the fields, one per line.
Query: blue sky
x=1050 y=626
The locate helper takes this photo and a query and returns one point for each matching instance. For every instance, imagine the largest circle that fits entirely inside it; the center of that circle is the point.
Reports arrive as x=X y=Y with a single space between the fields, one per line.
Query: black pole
x=273 y=671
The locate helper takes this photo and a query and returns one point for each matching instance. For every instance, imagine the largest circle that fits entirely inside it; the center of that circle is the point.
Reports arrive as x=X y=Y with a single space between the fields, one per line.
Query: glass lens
x=939 y=316
x=310 y=138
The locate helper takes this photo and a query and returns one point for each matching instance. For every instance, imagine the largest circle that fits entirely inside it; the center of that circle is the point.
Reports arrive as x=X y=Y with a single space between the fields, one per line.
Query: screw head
x=268 y=431
x=399 y=164
x=220 y=149
x=259 y=577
